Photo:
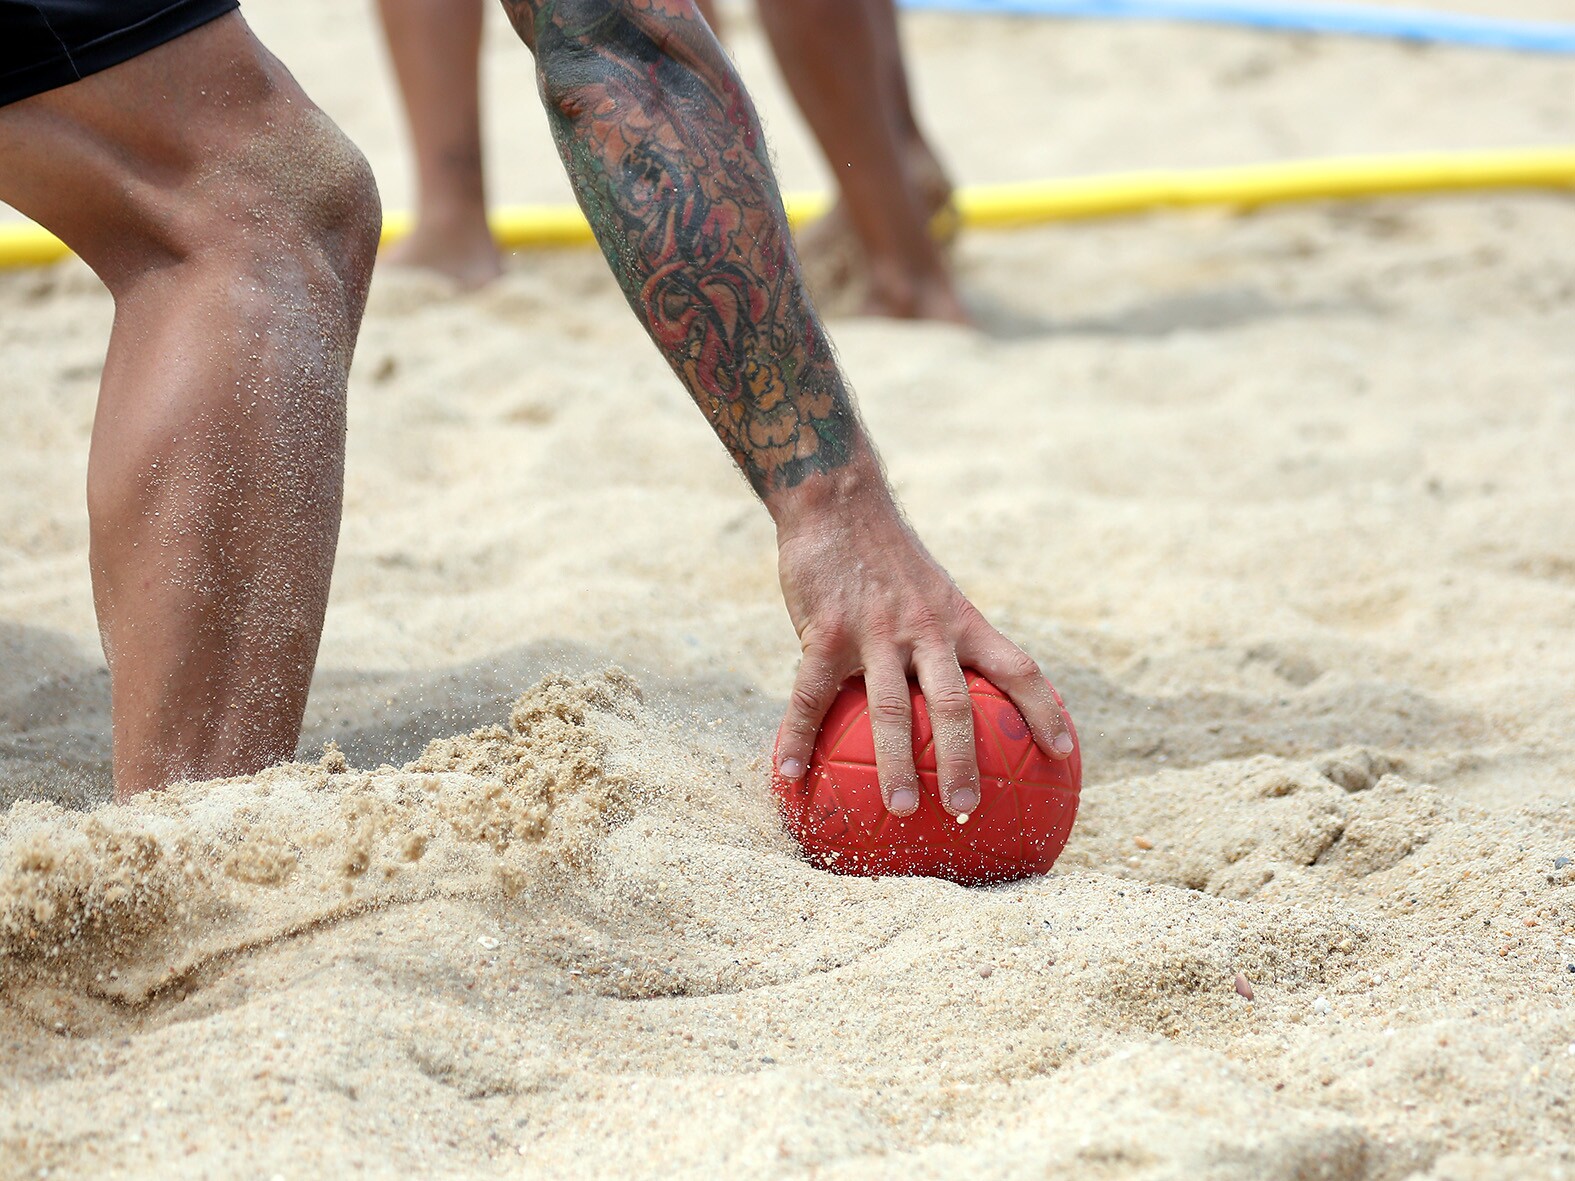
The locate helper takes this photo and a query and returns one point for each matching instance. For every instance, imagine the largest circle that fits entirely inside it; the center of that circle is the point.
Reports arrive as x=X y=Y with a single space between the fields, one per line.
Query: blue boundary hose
x=1405 y=24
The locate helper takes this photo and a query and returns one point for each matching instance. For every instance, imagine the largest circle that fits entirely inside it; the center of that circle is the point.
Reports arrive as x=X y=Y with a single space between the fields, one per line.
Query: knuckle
x=964 y=613
x=951 y=702
x=889 y=711
x=930 y=624
x=804 y=705
x=1019 y=666
x=924 y=619
x=957 y=768
x=824 y=640
x=881 y=631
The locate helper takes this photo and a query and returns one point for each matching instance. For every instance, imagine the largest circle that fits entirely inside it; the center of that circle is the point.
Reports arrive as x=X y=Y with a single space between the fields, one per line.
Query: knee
x=279 y=191
x=299 y=191
x=333 y=201
x=328 y=201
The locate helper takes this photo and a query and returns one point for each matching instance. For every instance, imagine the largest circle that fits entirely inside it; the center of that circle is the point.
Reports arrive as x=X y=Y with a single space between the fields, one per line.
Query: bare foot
x=844 y=278
x=916 y=299
x=466 y=256
x=832 y=257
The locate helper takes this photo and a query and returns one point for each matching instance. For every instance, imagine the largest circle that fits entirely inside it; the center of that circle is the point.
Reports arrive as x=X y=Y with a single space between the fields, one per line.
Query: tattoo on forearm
x=667 y=157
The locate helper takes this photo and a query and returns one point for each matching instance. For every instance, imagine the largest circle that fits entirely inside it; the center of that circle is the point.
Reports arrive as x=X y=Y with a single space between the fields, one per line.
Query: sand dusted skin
x=1284 y=503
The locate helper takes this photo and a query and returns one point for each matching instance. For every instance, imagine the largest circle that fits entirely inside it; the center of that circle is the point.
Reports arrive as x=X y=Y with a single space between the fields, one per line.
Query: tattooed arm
x=669 y=163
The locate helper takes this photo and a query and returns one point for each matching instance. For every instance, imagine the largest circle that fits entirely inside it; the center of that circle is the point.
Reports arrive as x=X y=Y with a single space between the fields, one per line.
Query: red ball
x=1027 y=800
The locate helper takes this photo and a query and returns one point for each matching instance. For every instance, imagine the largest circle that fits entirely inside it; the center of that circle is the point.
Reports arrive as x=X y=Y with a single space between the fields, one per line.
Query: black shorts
x=49 y=43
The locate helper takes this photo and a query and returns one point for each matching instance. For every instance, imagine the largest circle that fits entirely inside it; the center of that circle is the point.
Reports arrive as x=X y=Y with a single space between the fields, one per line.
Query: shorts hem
x=75 y=62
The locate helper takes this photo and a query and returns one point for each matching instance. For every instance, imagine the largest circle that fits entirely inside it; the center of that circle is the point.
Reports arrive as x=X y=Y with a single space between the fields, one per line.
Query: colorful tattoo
x=669 y=162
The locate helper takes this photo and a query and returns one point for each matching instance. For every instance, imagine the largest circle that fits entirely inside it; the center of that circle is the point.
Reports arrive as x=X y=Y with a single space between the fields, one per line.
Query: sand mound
x=131 y=901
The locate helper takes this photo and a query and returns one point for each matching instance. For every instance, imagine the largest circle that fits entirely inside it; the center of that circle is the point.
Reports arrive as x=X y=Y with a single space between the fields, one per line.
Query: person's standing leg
x=831 y=57
x=235 y=227
x=435 y=46
x=925 y=172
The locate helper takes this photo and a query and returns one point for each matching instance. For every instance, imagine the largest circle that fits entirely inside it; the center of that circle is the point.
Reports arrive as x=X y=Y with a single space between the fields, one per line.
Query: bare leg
x=436 y=49
x=925 y=171
x=235 y=227
x=837 y=57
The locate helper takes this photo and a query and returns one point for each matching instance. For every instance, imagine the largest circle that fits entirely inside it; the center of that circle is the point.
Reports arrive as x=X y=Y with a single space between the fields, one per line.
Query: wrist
x=857 y=490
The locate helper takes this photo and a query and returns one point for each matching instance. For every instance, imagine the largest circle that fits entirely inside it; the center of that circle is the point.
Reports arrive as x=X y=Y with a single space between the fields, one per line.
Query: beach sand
x=1284 y=503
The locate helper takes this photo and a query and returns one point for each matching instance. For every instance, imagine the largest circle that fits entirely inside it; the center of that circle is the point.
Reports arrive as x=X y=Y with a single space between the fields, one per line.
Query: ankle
x=904 y=295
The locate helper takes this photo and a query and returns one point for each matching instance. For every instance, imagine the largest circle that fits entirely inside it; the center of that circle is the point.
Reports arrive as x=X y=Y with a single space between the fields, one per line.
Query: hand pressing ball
x=1026 y=807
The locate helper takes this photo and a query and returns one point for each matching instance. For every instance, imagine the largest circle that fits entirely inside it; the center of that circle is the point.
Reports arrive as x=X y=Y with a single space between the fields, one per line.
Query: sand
x=1285 y=504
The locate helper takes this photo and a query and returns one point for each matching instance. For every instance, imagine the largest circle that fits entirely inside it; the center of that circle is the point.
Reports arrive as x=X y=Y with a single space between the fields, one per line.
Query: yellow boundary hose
x=1341 y=178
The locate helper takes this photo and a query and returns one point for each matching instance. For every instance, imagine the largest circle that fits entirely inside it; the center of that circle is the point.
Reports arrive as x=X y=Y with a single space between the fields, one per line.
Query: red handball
x=1026 y=807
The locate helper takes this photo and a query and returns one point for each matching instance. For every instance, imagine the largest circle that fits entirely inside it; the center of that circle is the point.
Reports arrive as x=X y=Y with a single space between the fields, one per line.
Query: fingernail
x=1062 y=743
x=791 y=768
x=965 y=801
x=904 y=800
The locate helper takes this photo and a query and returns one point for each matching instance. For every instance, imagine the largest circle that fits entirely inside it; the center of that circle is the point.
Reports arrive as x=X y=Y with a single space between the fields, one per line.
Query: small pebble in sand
x=487 y=942
x=1143 y=843
x=1322 y=1007
x=1243 y=986
x=987 y=971
x=1560 y=862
